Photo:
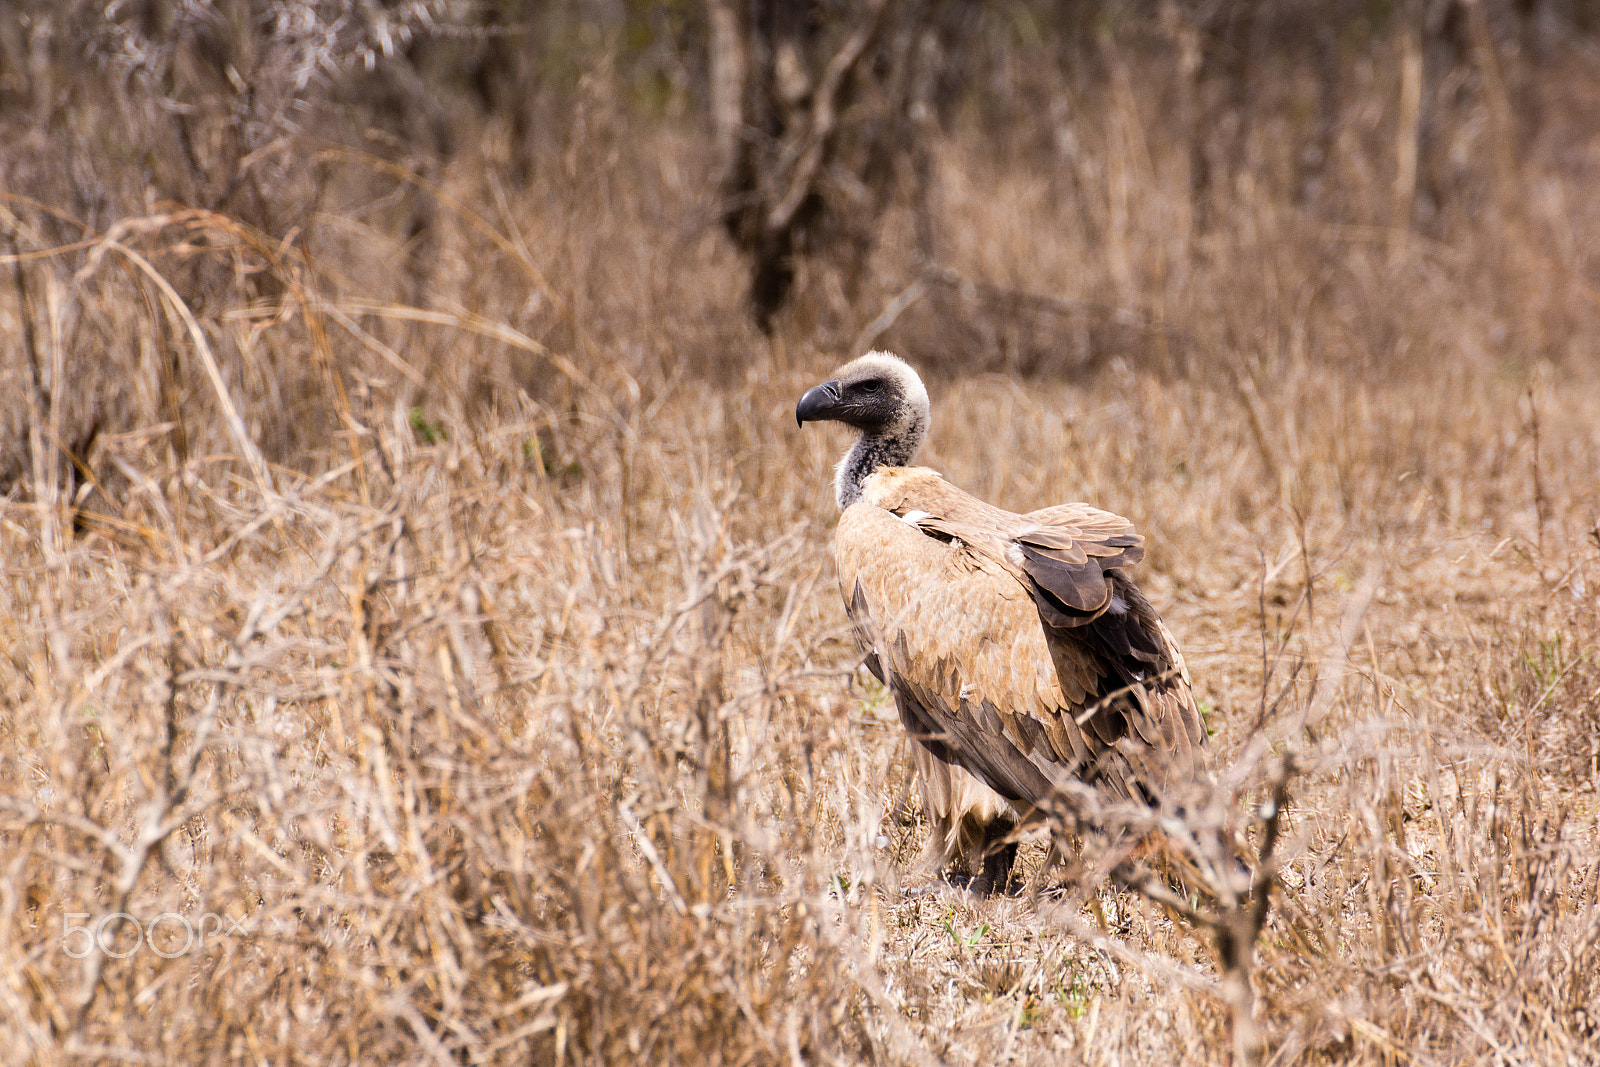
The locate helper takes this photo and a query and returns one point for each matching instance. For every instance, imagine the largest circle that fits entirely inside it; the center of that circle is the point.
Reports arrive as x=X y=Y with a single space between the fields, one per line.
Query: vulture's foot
x=997 y=864
x=995 y=878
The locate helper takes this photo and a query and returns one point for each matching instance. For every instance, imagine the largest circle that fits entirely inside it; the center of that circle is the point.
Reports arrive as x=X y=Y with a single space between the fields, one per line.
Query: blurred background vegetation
x=844 y=152
x=814 y=130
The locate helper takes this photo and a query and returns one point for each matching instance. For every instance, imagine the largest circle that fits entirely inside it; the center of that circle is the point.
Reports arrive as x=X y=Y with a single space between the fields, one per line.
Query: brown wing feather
x=1066 y=552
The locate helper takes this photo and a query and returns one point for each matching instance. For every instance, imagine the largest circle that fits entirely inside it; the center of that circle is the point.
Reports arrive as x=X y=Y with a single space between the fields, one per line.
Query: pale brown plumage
x=1019 y=654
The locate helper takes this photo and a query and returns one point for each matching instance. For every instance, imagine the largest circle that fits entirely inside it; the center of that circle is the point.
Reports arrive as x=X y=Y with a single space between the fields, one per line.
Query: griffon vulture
x=1019 y=654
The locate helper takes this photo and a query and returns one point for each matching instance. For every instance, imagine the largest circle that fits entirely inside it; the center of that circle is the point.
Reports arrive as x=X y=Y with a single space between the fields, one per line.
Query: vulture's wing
x=1065 y=551
x=1013 y=645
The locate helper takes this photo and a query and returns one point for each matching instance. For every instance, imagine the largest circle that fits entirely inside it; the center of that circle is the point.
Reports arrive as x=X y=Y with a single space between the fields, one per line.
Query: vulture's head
x=878 y=394
x=881 y=396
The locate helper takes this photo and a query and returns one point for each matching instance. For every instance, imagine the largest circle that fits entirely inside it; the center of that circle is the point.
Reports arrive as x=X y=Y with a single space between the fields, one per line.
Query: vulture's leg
x=999 y=854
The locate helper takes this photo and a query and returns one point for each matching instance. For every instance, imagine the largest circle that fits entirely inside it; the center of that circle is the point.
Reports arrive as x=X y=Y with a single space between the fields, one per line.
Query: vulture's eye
x=870 y=387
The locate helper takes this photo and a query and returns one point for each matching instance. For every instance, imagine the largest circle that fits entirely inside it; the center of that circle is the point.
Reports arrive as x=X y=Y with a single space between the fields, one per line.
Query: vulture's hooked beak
x=818 y=403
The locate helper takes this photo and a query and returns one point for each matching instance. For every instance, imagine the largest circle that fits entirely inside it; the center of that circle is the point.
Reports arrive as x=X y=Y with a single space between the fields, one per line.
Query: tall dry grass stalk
x=453 y=671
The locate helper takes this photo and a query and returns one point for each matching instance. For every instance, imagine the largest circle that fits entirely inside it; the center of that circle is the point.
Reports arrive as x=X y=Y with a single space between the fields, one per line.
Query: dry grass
x=487 y=674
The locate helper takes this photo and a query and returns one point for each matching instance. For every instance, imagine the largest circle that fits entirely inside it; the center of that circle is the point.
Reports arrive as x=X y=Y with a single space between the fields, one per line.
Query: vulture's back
x=1014 y=645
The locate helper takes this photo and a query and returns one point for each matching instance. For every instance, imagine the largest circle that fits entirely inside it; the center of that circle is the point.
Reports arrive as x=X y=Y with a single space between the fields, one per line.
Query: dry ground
x=484 y=668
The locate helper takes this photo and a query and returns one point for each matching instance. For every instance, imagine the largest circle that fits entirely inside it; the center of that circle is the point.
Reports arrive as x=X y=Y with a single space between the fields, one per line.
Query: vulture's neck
x=892 y=448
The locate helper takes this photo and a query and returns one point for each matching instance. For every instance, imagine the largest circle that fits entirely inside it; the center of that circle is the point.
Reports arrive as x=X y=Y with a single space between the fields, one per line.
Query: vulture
x=1019 y=654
